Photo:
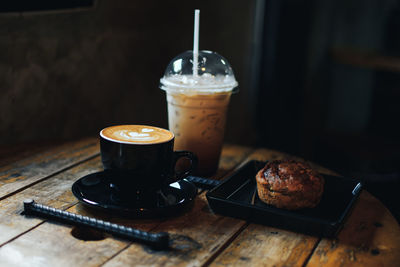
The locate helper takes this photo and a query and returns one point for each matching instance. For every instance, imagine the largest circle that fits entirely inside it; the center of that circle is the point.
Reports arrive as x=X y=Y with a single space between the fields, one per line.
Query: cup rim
x=136 y=143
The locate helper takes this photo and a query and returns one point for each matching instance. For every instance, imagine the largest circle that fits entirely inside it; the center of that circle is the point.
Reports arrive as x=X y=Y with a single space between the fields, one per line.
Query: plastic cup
x=197 y=105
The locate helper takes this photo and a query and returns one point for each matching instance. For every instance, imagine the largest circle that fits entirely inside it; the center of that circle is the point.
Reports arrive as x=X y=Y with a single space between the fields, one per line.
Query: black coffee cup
x=139 y=159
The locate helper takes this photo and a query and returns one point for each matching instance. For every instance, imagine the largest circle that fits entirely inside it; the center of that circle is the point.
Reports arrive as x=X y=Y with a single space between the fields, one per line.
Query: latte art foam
x=136 y=134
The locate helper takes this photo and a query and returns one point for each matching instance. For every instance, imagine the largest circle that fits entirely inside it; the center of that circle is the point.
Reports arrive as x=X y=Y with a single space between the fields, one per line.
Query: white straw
x=196 y=41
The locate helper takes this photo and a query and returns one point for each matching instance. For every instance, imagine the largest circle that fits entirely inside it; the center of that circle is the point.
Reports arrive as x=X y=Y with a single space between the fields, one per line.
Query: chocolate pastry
x=289 y=184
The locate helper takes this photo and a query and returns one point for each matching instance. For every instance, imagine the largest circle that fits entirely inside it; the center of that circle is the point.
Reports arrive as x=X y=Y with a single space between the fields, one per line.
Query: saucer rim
x=136 y=212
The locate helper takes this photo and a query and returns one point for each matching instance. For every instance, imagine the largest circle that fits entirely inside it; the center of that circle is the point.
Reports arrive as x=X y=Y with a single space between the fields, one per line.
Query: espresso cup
x=140 y=159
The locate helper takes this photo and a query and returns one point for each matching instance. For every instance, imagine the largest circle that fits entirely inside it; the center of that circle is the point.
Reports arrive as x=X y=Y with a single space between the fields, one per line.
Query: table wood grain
x=199 y=237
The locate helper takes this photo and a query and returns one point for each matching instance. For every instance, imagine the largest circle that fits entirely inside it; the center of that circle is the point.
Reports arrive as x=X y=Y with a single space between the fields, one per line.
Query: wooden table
x=370 y=237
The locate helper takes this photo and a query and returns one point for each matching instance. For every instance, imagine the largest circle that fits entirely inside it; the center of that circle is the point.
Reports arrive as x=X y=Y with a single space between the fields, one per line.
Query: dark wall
x=67 y=74
x=327 y=82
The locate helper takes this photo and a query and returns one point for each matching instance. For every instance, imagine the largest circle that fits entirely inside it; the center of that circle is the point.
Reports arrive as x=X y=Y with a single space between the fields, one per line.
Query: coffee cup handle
x=193 y=163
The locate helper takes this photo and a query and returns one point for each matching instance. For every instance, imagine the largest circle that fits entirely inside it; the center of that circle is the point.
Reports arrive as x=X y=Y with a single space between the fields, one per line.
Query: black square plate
x=235 y=195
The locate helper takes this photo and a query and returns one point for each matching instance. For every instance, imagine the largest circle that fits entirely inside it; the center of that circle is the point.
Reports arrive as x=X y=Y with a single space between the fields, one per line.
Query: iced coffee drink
x=197 y=105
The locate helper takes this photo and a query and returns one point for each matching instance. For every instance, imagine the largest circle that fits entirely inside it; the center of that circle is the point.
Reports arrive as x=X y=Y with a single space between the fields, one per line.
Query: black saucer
x=94 y=190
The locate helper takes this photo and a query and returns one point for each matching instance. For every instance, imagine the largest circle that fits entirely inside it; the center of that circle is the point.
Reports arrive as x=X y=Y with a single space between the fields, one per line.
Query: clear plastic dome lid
x=214 y=74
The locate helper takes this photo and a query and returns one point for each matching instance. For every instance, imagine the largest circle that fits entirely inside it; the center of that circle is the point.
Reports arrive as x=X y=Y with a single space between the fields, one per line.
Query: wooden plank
x=42 y=240
x=259 y=245
x=55 y=191
x=52 y=244
x=195 y=237
x=21 y=174
x=29 y=240
x=231 y=157
x=10 y=153
x=370 y=237
x=198 y=236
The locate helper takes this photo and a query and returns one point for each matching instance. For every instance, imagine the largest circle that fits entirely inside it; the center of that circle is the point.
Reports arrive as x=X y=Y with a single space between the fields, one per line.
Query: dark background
x=318 y=79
